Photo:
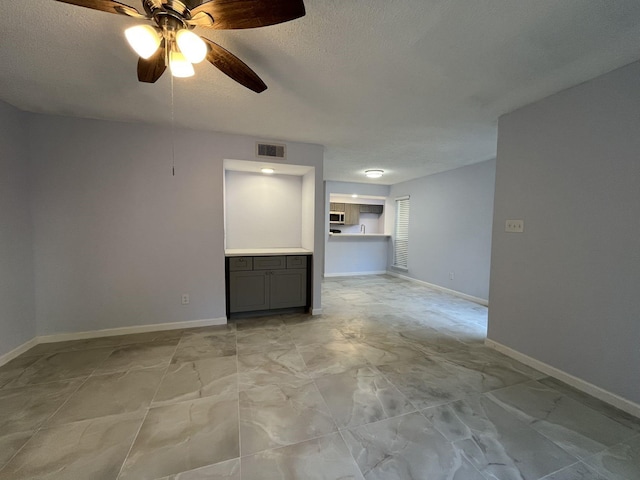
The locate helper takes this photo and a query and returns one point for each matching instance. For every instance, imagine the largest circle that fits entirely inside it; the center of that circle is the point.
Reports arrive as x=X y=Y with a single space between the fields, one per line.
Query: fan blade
x=152 y=68
x=233 y=67
x=109 y=6
x=235 y=14
x=201 y=19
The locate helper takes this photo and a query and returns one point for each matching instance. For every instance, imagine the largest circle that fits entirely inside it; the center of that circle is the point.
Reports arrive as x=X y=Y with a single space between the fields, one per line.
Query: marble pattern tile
x=279 y=415
x=315 y=333
x=184 y=436
x=199 y=379
x=610 y=411
x=406 y=448
x=620 y=462
x=205 y=345
x=306 y=381
x=577 y=471
x=262 y=340
x=229 y=470
x=496 y=442
x=432 y=381
x=481 y=358
x=139 y=355
x=331 y=358
x=270 y=322
x=324 y=458
x=361 y=396
x=93 y=449
x=25 y=409
x=61 y=366
x=110 y=394
x=381 y=352
x=15 y=367
x=572 y=425
x=11 y=444
x=274 y=367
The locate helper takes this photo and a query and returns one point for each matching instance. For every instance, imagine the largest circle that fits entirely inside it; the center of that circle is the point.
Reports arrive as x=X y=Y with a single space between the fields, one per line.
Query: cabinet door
x=352 y=214
x=365 y=208
x=288 y=288
x=248 y=291
x=336 y=207
x=376 y=209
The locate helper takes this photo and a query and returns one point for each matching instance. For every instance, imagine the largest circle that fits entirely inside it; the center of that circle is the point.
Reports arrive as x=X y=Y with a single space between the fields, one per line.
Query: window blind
x=401 y=244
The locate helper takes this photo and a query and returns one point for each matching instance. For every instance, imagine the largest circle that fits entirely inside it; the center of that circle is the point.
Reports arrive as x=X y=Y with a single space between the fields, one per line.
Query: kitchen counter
x=258 y=252
x=359 y=235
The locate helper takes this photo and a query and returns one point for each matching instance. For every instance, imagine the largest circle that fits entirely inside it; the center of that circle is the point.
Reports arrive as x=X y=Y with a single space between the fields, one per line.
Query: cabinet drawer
x=297 y=261
x=269 y=263
x=237 y=264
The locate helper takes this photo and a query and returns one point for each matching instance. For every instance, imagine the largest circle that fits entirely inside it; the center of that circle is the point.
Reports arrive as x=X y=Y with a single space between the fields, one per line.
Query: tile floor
x=391 y=382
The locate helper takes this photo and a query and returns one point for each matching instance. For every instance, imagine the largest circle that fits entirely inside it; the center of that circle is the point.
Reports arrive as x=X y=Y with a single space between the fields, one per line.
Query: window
x=401 y=243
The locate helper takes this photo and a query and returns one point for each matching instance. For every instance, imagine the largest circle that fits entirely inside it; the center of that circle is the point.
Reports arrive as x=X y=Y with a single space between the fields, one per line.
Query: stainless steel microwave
x=336 y=217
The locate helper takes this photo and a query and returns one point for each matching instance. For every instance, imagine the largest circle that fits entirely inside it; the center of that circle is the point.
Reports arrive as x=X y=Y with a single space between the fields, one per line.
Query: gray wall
x=117 y=238
x=17 y=312
x=450 y=227
x=566 y=291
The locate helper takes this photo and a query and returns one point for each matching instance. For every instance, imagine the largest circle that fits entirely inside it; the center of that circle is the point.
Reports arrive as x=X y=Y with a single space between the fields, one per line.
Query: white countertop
x=256 y=252
x=359 y=235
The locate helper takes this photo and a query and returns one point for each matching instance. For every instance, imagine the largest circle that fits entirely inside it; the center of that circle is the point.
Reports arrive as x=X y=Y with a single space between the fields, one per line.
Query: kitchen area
x=360 y=221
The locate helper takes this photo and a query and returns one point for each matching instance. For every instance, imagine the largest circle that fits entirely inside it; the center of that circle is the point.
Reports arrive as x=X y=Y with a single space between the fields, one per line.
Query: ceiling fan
x=171 y=40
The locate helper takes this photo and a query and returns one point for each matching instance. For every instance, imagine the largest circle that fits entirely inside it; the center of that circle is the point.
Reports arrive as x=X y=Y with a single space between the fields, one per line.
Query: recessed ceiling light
x=374 y=173
x=267 y=170
x=355 y=195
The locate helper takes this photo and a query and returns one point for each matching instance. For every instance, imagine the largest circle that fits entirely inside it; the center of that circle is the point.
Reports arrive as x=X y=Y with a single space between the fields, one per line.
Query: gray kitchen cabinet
x=248 y=291
x=287 y=288
x=371 y=209
x=352 y=214
x=336 y=207
x=267 y=283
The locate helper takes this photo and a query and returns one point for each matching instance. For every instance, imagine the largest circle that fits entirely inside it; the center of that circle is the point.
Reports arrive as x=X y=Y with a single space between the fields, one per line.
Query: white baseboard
x=110 y=332
x=316 y=311
x=355 y=274
x=7 y=357
x=464 y=296
x=582 y=385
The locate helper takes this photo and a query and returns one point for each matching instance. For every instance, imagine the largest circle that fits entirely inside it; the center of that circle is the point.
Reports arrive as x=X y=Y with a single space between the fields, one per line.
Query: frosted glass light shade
x=374 y=173
x=180 y=66
x=191 y=46
x=144 y=39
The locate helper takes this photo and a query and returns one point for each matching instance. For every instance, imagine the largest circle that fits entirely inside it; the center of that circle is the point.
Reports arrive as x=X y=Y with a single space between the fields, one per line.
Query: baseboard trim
x=471 y=298
x=316 y=311
x=110 y=332
x=354 y=274
x=10 y=355
x=617 y=401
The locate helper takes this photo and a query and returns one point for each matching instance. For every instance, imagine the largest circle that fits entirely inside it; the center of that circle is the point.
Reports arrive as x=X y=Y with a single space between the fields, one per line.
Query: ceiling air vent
x=271 y=150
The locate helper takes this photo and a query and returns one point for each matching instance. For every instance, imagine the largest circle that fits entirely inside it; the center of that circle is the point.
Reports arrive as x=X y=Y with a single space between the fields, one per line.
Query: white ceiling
x=410 y=86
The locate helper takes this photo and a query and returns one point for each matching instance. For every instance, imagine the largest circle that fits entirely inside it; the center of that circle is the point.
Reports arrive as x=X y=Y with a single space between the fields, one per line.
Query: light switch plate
x=514 y=226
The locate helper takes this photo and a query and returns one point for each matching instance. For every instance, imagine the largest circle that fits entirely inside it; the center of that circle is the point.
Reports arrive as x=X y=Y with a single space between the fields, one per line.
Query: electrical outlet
x=451 y=275
x=185 y=299
x=514 y=226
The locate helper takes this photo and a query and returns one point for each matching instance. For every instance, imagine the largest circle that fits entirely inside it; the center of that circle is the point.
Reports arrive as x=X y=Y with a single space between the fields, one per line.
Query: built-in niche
x=265 y=211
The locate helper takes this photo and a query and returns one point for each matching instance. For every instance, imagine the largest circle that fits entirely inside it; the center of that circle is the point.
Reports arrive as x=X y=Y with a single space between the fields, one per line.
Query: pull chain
x=173 y=141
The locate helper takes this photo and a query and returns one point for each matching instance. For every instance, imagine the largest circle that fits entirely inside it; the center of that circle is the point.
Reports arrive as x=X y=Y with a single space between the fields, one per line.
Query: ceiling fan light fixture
x=191 y=46
x=144 y=40
x=180 y=66
x=374 y=173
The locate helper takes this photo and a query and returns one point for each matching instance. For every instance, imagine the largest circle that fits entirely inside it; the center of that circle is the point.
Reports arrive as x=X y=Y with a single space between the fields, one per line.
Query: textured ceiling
x=410 y=86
